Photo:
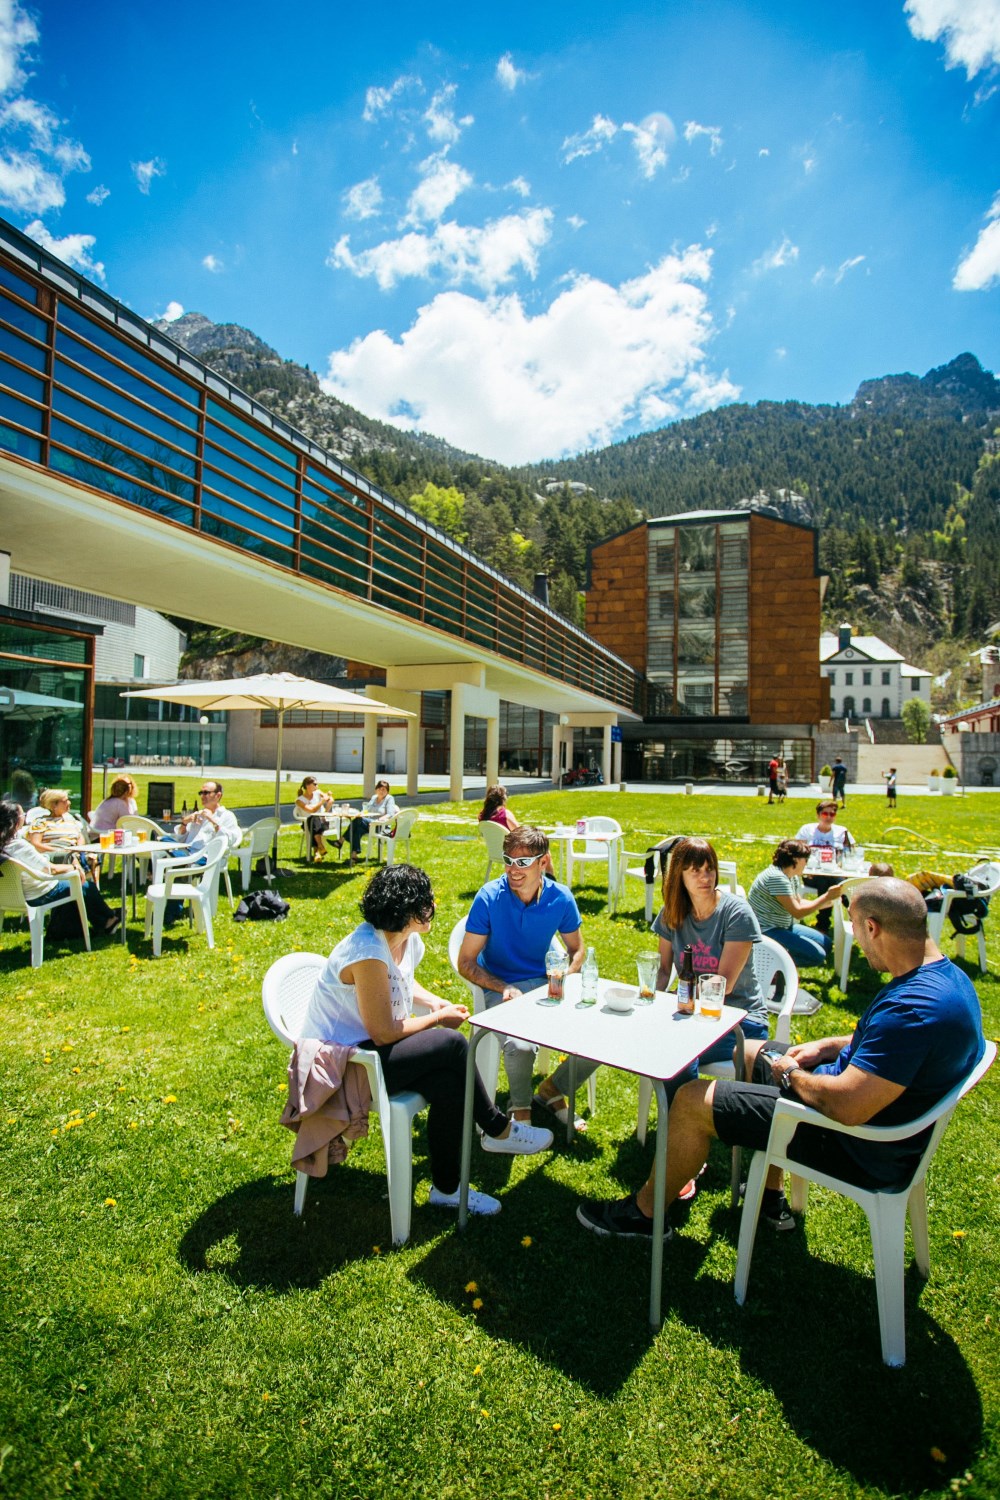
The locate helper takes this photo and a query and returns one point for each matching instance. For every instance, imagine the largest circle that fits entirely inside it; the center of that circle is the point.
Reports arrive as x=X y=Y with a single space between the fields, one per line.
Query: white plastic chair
x=256 y=843
x=392 y=839
x=288 y=988
x=843 y=935
x=989 y=872
x=12 y=899
x=768 y=959
x=203 y=895
x=597 y=851
x=300 y=817
x=488 y=1052
x=492 y=835
x=728 y=877
x=886 y=1210
x=638 y=872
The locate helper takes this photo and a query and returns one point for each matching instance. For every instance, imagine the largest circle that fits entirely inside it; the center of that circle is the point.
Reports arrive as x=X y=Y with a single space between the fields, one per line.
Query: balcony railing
x=93 y=394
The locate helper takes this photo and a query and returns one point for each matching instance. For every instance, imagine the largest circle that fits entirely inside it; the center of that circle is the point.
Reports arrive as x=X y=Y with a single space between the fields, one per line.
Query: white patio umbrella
x=281 y=691
x=17 y=703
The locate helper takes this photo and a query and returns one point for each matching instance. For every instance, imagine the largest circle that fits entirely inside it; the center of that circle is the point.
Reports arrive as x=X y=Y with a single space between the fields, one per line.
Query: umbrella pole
x=277 y=788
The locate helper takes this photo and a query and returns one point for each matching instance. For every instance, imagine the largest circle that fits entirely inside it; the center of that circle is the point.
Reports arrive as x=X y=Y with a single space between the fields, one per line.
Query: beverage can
x=581 y=825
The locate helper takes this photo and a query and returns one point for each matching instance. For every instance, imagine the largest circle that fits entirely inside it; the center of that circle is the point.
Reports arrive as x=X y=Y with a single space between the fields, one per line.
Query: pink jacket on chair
x=327 y=1106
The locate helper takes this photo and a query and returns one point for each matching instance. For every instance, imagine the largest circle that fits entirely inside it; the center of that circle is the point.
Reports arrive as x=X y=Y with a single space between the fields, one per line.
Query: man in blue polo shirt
x=507 y=935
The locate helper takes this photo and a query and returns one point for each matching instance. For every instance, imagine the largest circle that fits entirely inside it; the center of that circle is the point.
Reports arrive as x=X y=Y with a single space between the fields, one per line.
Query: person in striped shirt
x=776 y=899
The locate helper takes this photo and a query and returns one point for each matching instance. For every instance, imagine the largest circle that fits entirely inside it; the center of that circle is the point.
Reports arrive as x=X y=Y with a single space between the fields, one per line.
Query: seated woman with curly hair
x=364 y=997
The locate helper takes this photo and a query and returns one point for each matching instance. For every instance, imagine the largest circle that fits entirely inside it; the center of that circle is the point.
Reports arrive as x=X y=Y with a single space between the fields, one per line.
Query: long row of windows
x=698 y=635
x=78 y=396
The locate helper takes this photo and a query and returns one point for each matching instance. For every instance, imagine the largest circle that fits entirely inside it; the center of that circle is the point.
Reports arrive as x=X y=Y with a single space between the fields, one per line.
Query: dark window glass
x=396 y=581
x=19 y=380
x=15 y=283
x=18 y=348
x=234 y=508
x=665 y=559
x=229 y=524
x=109 y=447
x=16 y=411
x=866 y=678
x=26 y=640
x=125 y=380
x=118 y=485
x=19 y=443
x=886 y=678
x=109 y=433
x=443 y=589
x=245 y=476
x=283 y=457
x=114 y=401
x=28 y=322
x=116 y=345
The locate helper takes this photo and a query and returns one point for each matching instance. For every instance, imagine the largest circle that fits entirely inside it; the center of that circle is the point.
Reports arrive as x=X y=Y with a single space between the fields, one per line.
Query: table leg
x=739 y=1063
x=571 y=1112
x=467 y=1118
x=124 y=898
x=659 y=1197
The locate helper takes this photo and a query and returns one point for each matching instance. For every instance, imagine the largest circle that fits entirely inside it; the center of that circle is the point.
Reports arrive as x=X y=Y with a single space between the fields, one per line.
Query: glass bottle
x=589 y=977
x=686 y=984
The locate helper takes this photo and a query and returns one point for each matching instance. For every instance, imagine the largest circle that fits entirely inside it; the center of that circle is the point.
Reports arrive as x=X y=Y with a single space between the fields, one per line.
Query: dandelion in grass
x=169 y=1099
x=483 y=1412
x=472 y=1286
x=56 y=1131
x=958 y=1234
x=46 y=1061
x=477 y=1303
x=92 y=1115
x=133 y=1124
x=66 y=1047
x=938 y=1456
x=12 y=1119
x=527 y=1242
x=111 y=1203
x=478 y=1370
x=76 y=1070
x=557 y=1427
x=71 y=1123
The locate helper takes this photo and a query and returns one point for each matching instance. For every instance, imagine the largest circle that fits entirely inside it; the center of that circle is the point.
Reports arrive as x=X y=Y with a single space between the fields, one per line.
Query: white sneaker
x=479 y=1203
x=522 y=1140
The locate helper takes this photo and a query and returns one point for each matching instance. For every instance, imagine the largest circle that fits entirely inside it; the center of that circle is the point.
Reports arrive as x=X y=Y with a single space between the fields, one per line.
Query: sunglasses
x=828 y=812
x=207 y=792
x=520 y=861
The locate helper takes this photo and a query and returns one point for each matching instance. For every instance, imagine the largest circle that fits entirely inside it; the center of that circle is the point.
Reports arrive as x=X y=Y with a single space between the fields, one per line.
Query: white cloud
x=587 y=142
x=808 y=162
x=844 y=267
x=494 y=380
x=764 y=151
x=711 y=230
x=575 y=222
x=145 y=171
x=441 y=183
x=74 y=249
x=377 y=100
x=692 y=130
x=28 y=186
x=488 y=257
x=651 y=140
x=35 y=157
x=363 y=200
x=18 y=32
x=507 y=75
x=970 y=28
x=212 y=263
x=98 y=195
x=773 y=260
x=521 y=186
x=439 y=117
x=174 y=310
x=780 y=352
x=980 y=268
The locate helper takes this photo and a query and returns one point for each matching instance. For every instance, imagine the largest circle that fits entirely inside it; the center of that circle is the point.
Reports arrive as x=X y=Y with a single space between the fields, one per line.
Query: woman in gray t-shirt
x=720 y=930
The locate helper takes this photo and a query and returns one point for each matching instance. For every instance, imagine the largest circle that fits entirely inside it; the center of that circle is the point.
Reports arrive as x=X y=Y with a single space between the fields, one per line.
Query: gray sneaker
x=521 y=1140
x=479 y=1203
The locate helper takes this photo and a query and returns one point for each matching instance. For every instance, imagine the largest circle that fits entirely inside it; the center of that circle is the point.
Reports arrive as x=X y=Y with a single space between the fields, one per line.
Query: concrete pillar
x=412 y=755
x=606 y=755
x=616 y=762
x=492 y=750
x=556 y=753
x=456 y=755
x=369 y=755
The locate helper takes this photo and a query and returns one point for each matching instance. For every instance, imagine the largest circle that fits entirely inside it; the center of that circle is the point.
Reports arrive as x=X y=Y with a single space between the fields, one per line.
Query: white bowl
x=620 y=997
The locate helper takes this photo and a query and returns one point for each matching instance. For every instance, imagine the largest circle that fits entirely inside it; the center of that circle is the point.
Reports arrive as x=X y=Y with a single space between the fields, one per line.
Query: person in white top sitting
x=312 y=804
x=378 y=809
x=825 y=833
x=364 y=998
x=198 y=828
x=41 y=879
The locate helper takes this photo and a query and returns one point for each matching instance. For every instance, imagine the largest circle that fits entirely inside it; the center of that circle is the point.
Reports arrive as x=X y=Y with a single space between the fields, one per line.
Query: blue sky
x=531 y=229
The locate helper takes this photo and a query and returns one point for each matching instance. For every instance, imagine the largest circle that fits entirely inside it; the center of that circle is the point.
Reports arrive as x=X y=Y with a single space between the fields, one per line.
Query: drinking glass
x=648 y=965
x=555 y=972
x=711 y=995
x=108 y=840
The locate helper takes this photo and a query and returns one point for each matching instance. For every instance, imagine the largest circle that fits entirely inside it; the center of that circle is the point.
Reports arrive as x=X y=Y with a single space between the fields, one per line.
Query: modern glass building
x=46 y=692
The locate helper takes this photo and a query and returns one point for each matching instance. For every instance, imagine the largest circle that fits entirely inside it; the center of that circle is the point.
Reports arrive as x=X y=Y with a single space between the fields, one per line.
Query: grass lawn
x=168 y=1329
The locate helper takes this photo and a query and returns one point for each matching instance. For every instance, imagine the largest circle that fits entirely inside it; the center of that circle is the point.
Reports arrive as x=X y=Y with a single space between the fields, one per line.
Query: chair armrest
x=790 y=1113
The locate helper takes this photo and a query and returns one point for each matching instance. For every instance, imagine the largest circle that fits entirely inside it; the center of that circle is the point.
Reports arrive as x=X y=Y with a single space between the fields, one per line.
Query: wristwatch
x=786 y=1078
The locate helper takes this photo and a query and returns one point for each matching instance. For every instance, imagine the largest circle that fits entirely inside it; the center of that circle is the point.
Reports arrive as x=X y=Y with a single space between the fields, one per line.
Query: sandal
x=560 y=1112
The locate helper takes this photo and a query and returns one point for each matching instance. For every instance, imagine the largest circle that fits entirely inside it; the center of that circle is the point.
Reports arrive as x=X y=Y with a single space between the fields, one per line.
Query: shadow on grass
x=809 y=1331
x=252 y=1237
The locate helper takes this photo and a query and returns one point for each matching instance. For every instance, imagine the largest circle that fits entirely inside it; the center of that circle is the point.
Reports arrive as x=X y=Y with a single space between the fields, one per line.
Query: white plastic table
x=563 y=839
x=129 y=854
x=652 y=1041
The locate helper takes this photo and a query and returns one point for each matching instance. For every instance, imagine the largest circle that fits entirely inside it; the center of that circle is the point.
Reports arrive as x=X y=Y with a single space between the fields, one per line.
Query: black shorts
x=742 y=1114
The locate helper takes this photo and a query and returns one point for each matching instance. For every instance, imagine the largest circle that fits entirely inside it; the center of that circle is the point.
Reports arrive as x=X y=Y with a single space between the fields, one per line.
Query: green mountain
x=904 y=483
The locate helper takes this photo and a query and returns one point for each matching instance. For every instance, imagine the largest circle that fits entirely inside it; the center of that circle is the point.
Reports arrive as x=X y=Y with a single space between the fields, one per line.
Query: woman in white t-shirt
x=364 y=998
x=825 y=833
